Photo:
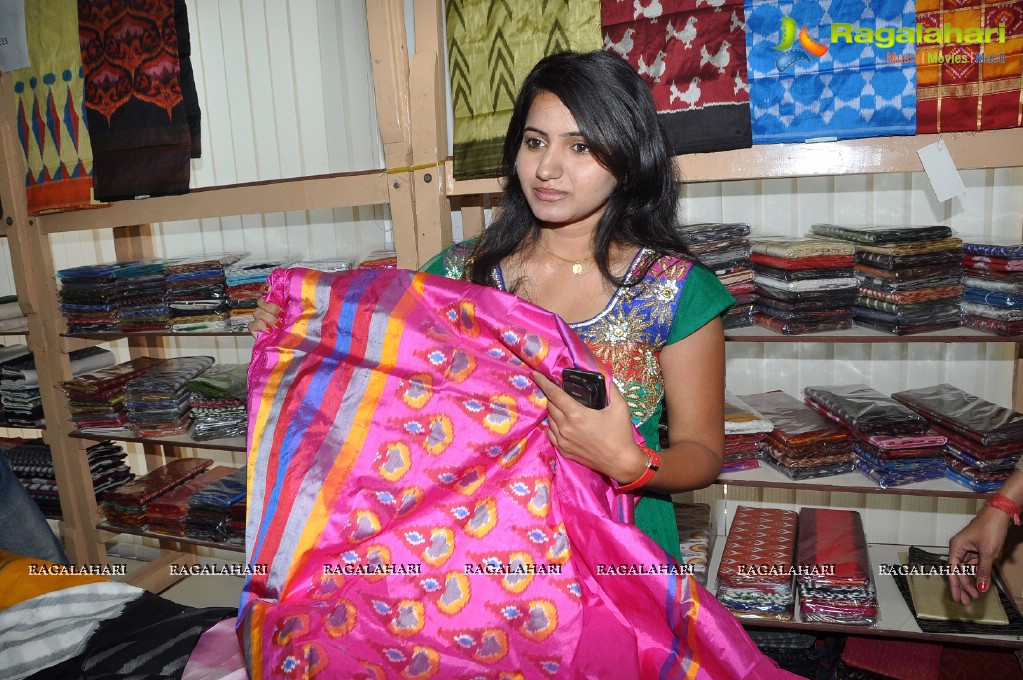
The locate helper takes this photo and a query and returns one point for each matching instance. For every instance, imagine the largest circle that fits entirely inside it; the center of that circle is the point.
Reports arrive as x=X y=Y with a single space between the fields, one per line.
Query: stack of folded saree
x=209 y=510
x=415 y=518
x=724 y=248
x=88 y=297
x=869 y=413
x=97 y=398
x=12 y=319
x=244 y=281
x=196 y=291
x=167 y=512
x=127 y=506
x=909 y=276
x=157 y=400
x=32 y=463
x=139 y=293
x=20 y=389
x=696 y=537
x=834 y=572
x=218 y=402
x=984 y=440
x=804 y=285
x=993 y=284
x=803 y=444
x=755 y=575
x=745 y=428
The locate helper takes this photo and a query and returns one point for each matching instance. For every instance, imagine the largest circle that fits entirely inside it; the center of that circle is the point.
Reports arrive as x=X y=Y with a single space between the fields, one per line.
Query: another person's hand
x=264 y=317
x=978 y=544
x=599 y=439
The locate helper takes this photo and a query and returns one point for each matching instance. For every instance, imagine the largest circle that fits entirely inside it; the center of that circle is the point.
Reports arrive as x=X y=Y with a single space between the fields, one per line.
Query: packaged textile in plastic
x=882 y=233
x=755 y=574
x=865 y=410
x=968 y=414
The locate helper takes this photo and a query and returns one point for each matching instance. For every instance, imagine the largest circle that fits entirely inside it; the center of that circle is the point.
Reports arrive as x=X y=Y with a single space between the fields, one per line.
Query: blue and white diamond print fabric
x=855 y=89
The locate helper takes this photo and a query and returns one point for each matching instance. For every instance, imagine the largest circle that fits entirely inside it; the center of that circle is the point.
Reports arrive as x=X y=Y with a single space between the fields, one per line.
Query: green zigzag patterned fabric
x=492 y=45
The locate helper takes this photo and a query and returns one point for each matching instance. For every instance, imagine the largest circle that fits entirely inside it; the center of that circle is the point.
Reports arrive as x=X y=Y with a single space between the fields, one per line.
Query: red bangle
x=1005 y=504
x=653 y=464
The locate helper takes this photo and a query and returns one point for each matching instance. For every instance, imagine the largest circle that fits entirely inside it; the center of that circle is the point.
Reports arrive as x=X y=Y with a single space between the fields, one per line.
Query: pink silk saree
x=413 y=517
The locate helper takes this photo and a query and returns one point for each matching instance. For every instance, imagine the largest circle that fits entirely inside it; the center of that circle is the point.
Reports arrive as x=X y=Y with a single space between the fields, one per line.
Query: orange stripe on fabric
x=693 y=614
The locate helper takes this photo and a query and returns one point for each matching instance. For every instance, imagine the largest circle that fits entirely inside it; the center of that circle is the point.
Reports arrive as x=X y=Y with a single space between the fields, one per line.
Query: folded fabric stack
x=88 y=297
x=984 y=440
x=10 y=354
x=157 y=400
x=167 y=512
x=803 y=444
x=804 y=285
x=724 y=248
x=19 y=384
x=127 y=506
x=382 y=258
x=696 y=536
x=244 y=281
x=218 y=402
x=32 y=463
x=343 y=265
x=909 y=276
x=745 y=428
x=12 y=319
x=870 y=414
x=97 y=398
x=209 y=510
x=755 y=574
x=833 y=568
x=236 y=523
x=140 y=288
x=197 y=293
x=993 y=285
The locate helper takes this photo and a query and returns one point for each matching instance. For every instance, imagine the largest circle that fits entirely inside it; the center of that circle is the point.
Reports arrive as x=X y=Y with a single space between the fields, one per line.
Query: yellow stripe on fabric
x=339 y=473
x=257 y=618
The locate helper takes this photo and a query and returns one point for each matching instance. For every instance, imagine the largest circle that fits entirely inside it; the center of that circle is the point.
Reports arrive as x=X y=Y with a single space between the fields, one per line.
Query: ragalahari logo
x=788 y=56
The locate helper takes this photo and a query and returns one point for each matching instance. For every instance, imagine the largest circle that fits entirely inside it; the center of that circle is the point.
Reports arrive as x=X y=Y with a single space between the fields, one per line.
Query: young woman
x=588 y=229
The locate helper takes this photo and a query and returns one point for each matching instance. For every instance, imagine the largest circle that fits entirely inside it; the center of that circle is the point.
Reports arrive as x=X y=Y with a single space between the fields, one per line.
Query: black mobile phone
x=586 y=387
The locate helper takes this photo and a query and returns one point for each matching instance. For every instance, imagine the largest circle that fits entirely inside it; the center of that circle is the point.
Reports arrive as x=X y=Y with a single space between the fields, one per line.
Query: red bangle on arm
x=653 y=464
x=1006 y=505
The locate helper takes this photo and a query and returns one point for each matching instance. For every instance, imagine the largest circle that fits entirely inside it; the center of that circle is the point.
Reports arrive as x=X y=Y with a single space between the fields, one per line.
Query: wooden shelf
x=182 y=441
x=859 y=334
x=851 y=482
x=873 y=155
x=116 y=528
x=894 y=619
x=339 y=190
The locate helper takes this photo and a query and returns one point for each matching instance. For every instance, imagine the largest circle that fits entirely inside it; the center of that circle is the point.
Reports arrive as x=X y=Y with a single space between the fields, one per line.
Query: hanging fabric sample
x=49 y=96
x=141 y=105
x=970 y=79
x=692 y=54
x=810 y=79
x=415 y=518
x=491 y=48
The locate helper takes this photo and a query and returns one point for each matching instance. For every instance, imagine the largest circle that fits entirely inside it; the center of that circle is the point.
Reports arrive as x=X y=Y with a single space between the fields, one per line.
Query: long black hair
x=615 y=113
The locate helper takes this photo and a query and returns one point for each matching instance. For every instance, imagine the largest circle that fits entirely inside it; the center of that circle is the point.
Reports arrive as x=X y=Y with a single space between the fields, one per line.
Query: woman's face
x=563 y=182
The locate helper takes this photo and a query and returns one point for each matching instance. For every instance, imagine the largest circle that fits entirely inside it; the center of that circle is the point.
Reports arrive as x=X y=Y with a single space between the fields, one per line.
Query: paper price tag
x=941 y=171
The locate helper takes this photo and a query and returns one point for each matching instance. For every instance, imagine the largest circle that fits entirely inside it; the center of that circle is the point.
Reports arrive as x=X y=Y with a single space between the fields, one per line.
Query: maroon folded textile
x=107 y=380
x=144 y=488
x=800 y=327
x=795 y=423
x=764 y=538
x=173 y=505
x=795 y=263
x=832 y=538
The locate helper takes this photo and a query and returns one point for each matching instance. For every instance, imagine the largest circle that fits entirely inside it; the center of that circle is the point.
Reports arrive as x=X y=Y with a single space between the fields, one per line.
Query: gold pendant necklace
x=577 y=265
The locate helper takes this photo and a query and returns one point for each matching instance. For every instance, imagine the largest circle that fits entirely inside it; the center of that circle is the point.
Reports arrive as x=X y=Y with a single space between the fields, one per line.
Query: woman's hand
x=265 y=316
x=600 y=439
x=978 y=544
